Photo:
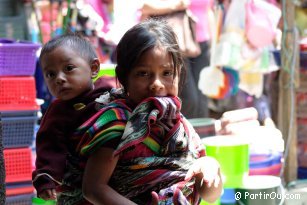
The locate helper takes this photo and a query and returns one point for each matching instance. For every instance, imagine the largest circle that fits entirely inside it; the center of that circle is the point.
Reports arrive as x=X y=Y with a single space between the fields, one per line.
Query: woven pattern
x=18 y=128
x=25 y=199
x=17 y=58
x=19 y=188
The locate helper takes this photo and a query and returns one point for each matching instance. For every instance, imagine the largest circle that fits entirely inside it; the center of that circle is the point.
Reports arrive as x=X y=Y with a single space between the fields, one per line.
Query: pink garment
x=101 y=8
x=200 y=9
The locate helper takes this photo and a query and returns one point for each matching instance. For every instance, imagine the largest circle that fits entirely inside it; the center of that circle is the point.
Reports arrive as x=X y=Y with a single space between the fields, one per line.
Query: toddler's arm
x=51 y=151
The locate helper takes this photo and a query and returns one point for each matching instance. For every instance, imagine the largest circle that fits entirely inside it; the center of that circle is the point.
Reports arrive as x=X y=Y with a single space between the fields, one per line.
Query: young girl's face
x=153 y=76
x=66 y=73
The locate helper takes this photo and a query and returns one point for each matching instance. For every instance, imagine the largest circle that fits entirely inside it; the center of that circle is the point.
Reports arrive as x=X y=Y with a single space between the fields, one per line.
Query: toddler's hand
x=154 y=198
x=209 y=168
x=48 y=194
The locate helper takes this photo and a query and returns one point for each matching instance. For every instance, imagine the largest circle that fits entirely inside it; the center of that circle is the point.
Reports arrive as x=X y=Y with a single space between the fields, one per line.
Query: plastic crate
x=25 y=199
x=18 y=128
x=13 y=189
x=18 y=165
x=17 y=58
x=17 y=93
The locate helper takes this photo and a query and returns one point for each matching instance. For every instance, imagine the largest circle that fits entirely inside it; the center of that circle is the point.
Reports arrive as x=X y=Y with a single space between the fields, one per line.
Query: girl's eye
x=168 y=73
x=142 y=73
x=69 y=68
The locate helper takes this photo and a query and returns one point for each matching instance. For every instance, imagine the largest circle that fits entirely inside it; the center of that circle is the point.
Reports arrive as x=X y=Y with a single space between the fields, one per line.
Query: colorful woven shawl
x=156 y=123
x=164 y=171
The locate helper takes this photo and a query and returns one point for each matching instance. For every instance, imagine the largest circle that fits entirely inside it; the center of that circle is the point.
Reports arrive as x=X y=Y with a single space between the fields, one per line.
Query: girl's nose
x=156 y=85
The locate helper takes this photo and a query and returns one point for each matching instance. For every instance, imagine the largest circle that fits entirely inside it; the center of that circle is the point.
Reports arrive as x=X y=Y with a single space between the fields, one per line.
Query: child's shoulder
x=57 y=106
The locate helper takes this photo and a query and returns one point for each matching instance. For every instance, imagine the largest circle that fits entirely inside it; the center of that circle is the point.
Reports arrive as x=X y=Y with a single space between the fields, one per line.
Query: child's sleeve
x=51 y=152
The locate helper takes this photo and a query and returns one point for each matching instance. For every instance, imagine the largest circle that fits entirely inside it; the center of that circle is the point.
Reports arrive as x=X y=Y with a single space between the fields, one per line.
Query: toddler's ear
x=95 y=67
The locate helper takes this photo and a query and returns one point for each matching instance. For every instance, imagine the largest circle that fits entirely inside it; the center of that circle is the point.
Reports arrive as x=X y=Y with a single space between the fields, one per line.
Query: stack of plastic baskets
x=19 y=110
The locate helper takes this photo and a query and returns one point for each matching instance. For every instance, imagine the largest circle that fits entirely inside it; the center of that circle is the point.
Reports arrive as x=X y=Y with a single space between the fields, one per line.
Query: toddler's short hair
x=75 y=41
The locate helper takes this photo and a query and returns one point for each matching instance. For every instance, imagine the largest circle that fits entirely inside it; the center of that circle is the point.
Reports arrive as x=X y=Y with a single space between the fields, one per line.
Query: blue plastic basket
x=25 y=199
x=18 y=128
x=19 y=188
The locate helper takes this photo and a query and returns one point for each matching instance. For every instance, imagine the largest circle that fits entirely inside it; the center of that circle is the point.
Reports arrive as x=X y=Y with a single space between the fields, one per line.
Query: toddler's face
x=153 y=76
x=66 y=73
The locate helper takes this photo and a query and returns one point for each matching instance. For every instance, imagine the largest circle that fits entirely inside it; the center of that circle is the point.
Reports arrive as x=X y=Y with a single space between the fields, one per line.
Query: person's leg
x=194 y=103
x=189 y=95
x=197 y=64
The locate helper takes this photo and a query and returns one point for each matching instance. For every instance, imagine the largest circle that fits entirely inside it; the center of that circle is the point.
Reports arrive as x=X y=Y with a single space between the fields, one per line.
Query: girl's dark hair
x=74 y=41
x=139 y=39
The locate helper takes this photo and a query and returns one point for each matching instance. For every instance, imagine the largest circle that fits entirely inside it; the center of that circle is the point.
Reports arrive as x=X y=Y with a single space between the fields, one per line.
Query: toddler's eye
x=69 y=68
x=49 y=75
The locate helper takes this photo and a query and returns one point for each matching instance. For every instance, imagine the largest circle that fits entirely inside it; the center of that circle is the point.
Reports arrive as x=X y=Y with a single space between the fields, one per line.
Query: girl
x=139 y=146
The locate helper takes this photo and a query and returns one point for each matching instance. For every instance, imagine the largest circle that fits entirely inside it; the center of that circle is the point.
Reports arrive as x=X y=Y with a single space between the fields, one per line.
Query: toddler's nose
x=60 y=79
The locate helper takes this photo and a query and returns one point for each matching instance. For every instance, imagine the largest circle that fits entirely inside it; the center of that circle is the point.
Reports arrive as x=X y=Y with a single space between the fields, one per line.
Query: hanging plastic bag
x=228 y=46
x=211 y=78
x=261 y=22
x=235 y=16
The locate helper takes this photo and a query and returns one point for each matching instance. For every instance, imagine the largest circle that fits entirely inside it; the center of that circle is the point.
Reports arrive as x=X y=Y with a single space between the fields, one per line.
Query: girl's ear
x=95 y=67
